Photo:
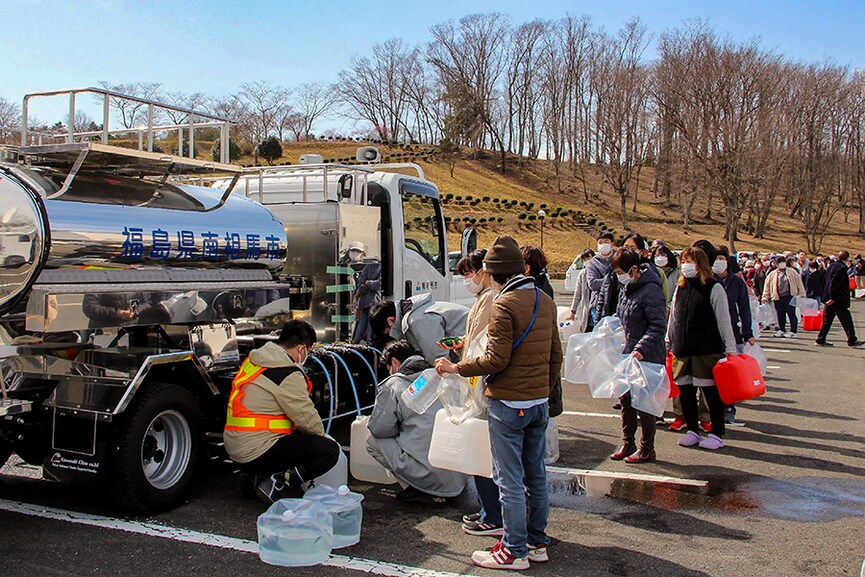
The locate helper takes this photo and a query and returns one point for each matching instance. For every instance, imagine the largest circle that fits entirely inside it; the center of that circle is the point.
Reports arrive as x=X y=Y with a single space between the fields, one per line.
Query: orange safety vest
x=241 y=419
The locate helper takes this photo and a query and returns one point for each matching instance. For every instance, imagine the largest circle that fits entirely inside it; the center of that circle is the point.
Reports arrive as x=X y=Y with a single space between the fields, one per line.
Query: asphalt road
x=786 y=497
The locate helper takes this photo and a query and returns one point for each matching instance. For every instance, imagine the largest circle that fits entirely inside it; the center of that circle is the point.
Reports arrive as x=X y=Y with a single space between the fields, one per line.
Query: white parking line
x=582 y=414
x=630 y=476
x=368 y=566
x=773 y=366
x=778 y=350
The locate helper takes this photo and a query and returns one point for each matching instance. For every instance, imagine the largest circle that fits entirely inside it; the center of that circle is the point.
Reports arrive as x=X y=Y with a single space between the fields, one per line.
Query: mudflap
x=79 y=453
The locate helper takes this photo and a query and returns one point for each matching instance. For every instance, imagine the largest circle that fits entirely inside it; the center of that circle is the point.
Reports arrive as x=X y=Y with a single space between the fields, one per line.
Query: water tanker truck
x=132 y=285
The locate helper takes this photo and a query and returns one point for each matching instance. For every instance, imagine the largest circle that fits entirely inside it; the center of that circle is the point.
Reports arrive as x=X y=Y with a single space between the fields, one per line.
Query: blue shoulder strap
x=532 y=322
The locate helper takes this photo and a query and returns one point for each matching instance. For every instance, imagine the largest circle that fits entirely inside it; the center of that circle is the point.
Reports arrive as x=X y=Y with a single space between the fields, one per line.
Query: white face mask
x=473 y=287
x=661 y=261
x=625 y=279
x=689 y=270
x=719 y=266
x=782 y=265
x=605 y=248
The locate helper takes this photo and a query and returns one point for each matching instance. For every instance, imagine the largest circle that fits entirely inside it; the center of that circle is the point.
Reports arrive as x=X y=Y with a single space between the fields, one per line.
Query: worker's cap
x=357 y=245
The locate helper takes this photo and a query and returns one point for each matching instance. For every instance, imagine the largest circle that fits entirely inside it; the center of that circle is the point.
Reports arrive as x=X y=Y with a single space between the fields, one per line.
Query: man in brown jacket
x=522 y=362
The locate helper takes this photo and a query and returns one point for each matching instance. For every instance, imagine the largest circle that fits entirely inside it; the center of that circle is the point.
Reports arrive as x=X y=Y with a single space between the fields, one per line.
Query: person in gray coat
x=422 y=322
x=367 y=293
x=400 y=438
x=596 y=270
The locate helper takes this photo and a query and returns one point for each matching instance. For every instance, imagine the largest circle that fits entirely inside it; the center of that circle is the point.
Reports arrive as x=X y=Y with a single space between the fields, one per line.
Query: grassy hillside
x=479 y=191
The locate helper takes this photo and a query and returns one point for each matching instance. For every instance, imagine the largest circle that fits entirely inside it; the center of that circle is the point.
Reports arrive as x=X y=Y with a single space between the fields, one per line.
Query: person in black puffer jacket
x=642 y=310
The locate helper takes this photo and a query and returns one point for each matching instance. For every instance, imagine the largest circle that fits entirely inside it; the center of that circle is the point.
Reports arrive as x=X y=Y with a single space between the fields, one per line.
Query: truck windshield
x=422 y=233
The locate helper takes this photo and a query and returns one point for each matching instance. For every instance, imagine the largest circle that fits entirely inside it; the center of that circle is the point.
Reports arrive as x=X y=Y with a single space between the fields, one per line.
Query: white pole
x=70 y=129
x=24 y=124
x=150 y=128
x=106 y=113
x=191 y=136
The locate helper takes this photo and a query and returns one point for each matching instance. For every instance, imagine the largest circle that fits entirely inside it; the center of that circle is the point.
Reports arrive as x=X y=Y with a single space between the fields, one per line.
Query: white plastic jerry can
x=363 y=466
x=568 y=328
x=338 y=475
x=464 y=448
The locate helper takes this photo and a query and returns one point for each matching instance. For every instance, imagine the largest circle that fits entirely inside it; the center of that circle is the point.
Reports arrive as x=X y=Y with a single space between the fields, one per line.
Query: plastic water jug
x=295 y=533
x=363 y=466
x=463 y=447
x=338 y=474
x=551 y=448
x=813 y=322
x=674 y=388
x=561 y=313
x=345 y=510
x=423 y=392
x=808 y=307
x=852 y=284
x=738 y=379
x=568 y=329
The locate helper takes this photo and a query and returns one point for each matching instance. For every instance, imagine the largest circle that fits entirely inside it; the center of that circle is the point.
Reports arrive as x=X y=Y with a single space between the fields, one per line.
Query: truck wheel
x=160 y=441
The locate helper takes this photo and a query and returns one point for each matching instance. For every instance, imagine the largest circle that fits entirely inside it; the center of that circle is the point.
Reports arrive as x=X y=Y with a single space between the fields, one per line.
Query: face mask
x=354 y=255
x=782 y=265
x=765 y=263
x=719 y=267
x=661 y=261
x=302 y=356
x=605 y=248
x=625 y=279
x=689 y=270
x=471 y=286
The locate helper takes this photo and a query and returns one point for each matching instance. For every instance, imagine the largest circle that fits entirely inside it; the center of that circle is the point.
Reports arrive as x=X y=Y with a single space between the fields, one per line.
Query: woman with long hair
x=700 y=334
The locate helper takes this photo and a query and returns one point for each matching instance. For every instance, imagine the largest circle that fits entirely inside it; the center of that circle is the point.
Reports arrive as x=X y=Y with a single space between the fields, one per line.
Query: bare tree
x=311 y=101
x=10 y=121
x=133 y=114
x=264 y=103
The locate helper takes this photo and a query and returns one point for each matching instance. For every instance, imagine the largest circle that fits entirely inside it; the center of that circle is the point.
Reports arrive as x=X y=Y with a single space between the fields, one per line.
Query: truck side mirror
x=346 y=183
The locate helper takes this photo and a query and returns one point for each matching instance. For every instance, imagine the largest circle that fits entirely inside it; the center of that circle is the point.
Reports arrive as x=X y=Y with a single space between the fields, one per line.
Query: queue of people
x=694 y=304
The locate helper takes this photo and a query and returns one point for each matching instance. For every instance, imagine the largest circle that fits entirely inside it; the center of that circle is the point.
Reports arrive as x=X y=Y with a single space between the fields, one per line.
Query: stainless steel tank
x=114 y=222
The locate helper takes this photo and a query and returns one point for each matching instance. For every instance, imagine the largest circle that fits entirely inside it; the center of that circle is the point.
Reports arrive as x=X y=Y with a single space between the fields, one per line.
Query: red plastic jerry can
x=674 y=388
x=813 y=323
x=852 y=283
x=738 y=379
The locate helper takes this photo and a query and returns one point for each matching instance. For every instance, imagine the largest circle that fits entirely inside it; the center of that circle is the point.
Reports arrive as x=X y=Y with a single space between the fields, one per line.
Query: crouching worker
x=400 y=438
x=272 y=429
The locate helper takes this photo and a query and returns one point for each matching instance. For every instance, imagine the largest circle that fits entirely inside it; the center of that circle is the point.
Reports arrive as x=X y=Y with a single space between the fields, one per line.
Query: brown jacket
x=529 y=371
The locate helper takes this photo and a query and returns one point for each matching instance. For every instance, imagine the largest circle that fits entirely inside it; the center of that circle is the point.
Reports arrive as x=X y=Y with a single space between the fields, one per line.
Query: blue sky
x=213 y=47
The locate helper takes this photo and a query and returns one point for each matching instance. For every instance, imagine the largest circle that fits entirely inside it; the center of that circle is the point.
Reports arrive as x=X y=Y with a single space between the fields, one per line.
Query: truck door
x=425 y=262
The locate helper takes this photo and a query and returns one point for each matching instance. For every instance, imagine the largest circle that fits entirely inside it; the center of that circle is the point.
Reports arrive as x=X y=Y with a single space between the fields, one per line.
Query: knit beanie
x=504 y=257
x=708 y=248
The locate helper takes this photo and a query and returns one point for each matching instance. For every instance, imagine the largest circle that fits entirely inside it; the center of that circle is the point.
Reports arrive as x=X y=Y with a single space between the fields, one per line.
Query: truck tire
x=160 y=439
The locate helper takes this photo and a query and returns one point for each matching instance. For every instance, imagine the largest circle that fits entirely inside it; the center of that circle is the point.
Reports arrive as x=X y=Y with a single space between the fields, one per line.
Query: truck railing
x=93 y=157
x=153 y=106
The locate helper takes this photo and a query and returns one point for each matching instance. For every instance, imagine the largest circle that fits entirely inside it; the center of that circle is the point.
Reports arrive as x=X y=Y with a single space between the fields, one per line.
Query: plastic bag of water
x=295 y=533
x=345 y=509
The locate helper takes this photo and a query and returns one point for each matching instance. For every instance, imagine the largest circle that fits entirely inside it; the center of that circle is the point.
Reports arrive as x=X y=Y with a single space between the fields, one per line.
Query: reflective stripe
x=241 y=419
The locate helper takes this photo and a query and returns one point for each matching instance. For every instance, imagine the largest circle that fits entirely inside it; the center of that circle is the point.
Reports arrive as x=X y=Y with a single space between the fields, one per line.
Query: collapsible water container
x=674 y=388
x=295 y=533
x=757 y=352
x=551 y=448
x=755 y=316
x=650 y=388
x=602 y=378
x=808 y=307
x=363 y=466
x=738 y=379
x=578 y=353
x=813 y=322
x=345 y=510
x=567 y=329
x=423 y=392
x=463 y=447
x=768 y=316
x=338 y=475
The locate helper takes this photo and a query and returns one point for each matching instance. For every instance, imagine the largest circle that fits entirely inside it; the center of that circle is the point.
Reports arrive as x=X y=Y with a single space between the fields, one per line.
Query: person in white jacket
x=582 y=295
x=782 y=285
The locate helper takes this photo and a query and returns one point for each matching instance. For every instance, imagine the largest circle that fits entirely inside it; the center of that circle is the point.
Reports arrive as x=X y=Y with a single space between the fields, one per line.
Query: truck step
x=14 y=406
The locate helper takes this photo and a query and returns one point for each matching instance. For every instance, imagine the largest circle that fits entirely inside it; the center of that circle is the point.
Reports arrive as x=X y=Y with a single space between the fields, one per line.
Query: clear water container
x=363 y=467
x=463 y=447
x=551 y=448
x=295 y=533
x=345 y=510
x=423 y=392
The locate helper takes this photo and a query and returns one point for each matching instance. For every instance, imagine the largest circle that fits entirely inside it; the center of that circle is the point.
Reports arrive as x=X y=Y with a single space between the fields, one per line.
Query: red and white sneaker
x=538 y=553
x=499 y=558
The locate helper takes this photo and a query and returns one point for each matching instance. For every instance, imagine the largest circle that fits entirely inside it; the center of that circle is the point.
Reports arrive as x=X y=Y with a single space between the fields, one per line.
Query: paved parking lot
x=785 y=497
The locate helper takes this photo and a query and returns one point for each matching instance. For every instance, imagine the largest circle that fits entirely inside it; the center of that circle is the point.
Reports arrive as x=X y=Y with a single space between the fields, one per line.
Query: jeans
x=361 y=329
x=518 y=438
x=785 y=311
x=491 y=507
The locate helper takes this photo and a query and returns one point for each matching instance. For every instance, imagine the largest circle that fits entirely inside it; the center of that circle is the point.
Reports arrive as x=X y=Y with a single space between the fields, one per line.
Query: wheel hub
x=166 y=449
